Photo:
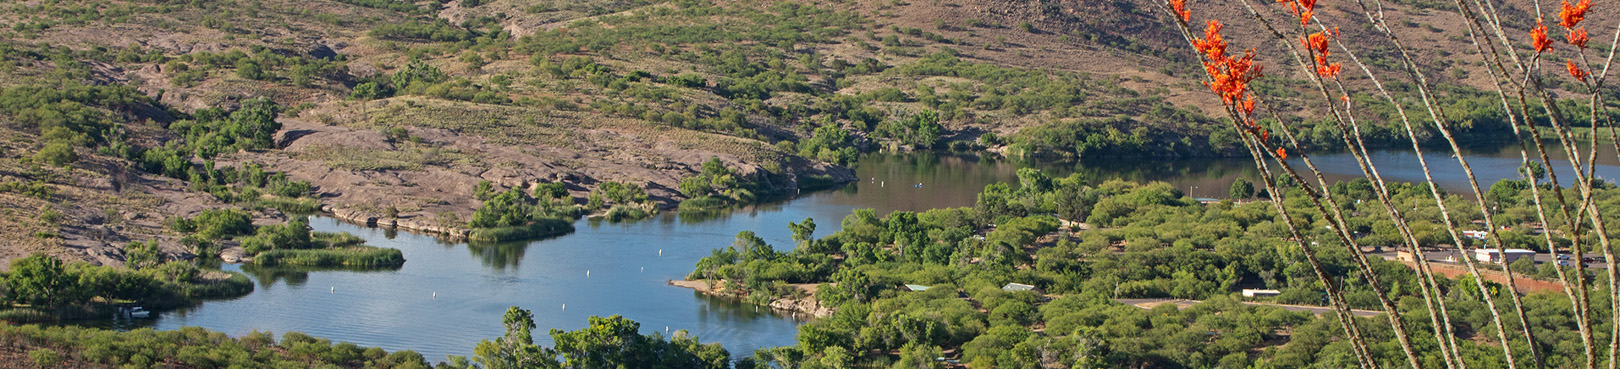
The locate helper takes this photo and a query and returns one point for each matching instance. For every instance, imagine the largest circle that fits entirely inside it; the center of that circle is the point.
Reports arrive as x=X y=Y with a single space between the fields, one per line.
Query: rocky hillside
x=396 y=110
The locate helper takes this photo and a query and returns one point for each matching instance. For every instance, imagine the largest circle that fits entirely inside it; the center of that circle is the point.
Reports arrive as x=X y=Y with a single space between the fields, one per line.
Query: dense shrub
x=353 y=256
x=539 y=228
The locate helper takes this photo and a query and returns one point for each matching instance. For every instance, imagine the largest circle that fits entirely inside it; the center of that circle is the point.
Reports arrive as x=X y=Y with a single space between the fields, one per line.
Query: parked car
x=1563 y=257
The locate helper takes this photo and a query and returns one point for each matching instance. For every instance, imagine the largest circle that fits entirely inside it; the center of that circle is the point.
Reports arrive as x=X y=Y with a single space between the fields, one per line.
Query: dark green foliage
x=74 y=114
x=1143 y=241
x=516 y=348
x=36 y=189
x=394 y=5
x=292 y=235
x=367 y=91
x=1144 y=136
x=623 y=192
x=416 y=76
x=1241 y=189
x=346 y=257
x=540 y=228
x=704 y=204
x=612 y=342
x=40 y=280
x=514 y=215
x=293 y=243
x=551 y=191
x=57 y=291
x=717 y=186
x=220 y=223
x=212 y=132
x=696 y=186
x=831 y=144
x=484 y=190
x=509 y=208
x=201 y=348
x=440 y=30
x=920 y=130
x=139 y=255
x=56 y=153
x=615 y=342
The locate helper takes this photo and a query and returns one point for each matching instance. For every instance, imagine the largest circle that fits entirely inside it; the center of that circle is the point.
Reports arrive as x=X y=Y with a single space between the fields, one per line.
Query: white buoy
x=587 y=274
x=660 y=252
x=435 y=295
x=666 y=330
x=565 y=307
x=643 y=269
x=334 y=289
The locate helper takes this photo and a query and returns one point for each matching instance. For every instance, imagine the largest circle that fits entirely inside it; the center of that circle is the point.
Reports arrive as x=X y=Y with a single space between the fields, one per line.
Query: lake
x=448 y=296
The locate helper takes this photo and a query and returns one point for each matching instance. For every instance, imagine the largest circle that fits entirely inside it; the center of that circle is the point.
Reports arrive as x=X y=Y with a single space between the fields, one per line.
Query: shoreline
x=807 y=307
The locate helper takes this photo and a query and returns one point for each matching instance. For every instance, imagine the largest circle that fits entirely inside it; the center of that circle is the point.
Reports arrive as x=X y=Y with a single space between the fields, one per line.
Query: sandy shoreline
x=698 y=285
x=807 y=306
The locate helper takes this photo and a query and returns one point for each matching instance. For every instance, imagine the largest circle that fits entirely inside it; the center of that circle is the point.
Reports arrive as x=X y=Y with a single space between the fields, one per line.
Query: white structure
x=1260 y=293
x=1491 y=256
x=1016 y=287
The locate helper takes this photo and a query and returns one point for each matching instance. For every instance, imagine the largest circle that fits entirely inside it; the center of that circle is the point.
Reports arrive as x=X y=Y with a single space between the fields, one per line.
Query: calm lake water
x=628 y=264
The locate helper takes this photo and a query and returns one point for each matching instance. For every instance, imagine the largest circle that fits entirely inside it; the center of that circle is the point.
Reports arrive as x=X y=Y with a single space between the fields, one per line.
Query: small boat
x=139 y=313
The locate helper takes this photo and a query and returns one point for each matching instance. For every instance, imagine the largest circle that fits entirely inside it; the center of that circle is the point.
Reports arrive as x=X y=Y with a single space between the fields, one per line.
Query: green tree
x=41 y=281
x=220 y=223
x=695 y=186
x=1241 y=189
x=367 y=91
x=56 y=153
x=504 y=209
x=614 y=342
x=1032 y=180
x=550 y=191
x=515 y=349
x=921 y=129
x=483 y=190
x=802 y=231
x=836 y=357
x=138 y=255
x=249 y=69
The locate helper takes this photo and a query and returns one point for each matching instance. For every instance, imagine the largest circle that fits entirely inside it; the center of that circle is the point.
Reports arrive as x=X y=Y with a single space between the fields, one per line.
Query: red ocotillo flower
x=1180 y=8
x=1232 y=75
x=1317 y=43
x=1212 y=45
x=1282 y=153
x=1572 y=15
x=1302 y=8
x=1575 y=71
x=1229 y=76
x=1538 y=38
x=1578 y=37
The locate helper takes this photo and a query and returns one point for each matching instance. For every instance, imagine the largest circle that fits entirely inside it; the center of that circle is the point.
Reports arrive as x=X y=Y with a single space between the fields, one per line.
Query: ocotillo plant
x=1315 y=48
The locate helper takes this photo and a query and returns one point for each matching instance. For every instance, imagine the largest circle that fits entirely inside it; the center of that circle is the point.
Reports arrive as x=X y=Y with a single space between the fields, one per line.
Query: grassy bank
x=705 y=204
x=353 y=256
x=42 y=288
x=544 y=227
x=74 y=347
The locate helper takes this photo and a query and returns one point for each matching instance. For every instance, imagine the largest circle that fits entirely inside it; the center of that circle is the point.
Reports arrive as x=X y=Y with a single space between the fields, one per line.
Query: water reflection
x=296 y=276
x=499 y=256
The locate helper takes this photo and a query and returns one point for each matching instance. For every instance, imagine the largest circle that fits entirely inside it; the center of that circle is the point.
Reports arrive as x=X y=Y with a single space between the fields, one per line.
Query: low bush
x=362 y=256
x=705 y=203
x=542 y=227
